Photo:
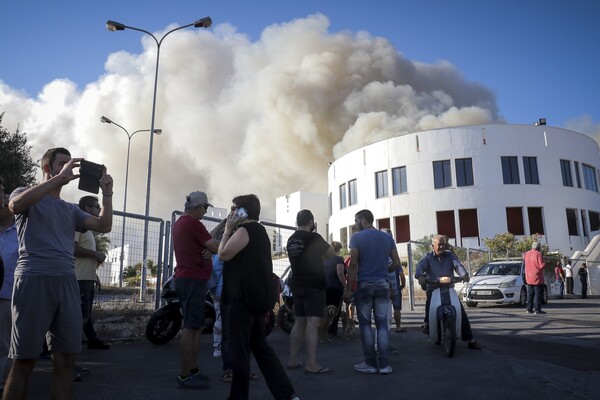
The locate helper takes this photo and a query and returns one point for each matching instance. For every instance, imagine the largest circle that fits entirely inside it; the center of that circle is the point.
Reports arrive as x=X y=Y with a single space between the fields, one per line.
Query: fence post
x=411 y=283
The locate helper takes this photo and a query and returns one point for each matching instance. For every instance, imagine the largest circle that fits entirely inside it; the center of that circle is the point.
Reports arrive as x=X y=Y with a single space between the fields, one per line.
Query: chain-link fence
x=119 y=282
x=119 y=277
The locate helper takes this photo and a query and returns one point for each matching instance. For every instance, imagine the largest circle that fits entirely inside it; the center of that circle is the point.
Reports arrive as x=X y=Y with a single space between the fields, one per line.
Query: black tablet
x=90 y=174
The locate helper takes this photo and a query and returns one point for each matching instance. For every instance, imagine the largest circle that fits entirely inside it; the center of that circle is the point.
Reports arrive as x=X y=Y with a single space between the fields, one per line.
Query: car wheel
x=523 y=297
x=471 y=304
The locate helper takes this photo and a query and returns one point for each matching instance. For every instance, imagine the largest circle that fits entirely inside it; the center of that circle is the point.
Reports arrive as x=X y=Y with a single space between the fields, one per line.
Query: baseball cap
x=196 y=199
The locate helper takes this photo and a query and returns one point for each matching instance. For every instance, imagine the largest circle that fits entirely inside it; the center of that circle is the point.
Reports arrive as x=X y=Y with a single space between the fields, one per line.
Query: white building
x=473 y=182
x=286 y=208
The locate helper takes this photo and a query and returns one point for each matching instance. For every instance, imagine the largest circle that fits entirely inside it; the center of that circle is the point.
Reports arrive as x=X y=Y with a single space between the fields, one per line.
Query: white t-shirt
x=568 y=271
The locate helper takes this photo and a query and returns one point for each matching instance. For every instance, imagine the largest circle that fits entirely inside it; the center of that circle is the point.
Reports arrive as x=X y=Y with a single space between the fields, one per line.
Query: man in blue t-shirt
x=370 y=250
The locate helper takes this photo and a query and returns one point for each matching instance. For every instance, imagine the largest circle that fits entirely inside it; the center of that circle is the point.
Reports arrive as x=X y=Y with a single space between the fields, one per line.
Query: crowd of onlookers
x=49 y=260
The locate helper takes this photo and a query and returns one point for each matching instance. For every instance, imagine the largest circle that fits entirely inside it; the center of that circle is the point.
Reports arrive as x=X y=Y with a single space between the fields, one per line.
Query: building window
x=383 y=224
x=594 y=221
x=399 y=180
x=565 y=170
x=572 y=221
x=343 y=202
x=584 y=224
x=330 y=204
x=464 y=172
x=445 y=223
x=536 y=223
x=467 y=219
x=530 y=170
x=514 y=220
x=402 y=223
x=510 y=171
x=381 y=184
x=577 y=176
x=352 y=193
x=589 y=178
x=441 y=174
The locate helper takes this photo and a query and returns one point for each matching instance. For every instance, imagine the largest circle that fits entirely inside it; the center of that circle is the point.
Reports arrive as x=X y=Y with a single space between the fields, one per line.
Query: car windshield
x=499 y=269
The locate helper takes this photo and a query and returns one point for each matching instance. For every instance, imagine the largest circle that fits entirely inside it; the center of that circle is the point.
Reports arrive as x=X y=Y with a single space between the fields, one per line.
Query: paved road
x=535 y=357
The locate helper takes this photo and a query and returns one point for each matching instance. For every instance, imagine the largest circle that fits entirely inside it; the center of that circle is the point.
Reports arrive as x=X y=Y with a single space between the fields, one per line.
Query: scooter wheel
x=449 y=335
x=162 y=328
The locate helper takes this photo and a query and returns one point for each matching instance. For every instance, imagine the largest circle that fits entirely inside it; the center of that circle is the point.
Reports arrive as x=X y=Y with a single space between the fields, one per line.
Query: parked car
x=499 y=282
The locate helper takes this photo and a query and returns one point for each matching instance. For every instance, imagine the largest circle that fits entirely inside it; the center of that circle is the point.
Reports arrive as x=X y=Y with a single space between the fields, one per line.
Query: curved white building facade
x=473 y=182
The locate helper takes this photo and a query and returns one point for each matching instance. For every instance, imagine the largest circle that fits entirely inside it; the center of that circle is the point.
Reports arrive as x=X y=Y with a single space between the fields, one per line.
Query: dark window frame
x=442 y=175
x=510 y=170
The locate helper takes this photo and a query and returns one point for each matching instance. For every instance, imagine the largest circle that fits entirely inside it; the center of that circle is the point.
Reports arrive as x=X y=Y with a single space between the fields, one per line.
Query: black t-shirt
x=305 y=252
x=248 y=276
x=331 y=275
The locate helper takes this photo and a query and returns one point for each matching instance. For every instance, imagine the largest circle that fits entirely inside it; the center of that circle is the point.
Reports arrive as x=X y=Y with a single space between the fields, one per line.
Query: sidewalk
x=515 y=361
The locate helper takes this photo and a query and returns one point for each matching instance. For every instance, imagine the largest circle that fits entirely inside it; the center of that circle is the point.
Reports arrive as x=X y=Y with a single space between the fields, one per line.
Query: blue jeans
x=534 y=297
x=561 y=288
x=374 y=297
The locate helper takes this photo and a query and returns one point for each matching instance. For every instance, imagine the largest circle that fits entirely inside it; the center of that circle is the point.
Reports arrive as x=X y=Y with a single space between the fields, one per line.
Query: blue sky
x=540 y=58
x=300 y=81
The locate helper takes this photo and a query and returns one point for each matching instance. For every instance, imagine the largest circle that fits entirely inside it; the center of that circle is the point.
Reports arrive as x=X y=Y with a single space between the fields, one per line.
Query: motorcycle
x=285 y=314
x=165 y=322
x=444 y=313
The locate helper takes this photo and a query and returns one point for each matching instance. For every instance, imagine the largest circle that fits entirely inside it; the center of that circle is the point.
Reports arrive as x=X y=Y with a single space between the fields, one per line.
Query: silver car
x=499 y=282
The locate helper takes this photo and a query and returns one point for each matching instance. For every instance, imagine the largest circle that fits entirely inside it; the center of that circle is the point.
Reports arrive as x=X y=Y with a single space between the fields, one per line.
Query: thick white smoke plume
x=239 y=117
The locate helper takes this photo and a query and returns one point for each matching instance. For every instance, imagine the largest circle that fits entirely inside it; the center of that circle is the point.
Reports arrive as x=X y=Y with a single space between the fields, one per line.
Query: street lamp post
x=106 y=120
x=112 y=26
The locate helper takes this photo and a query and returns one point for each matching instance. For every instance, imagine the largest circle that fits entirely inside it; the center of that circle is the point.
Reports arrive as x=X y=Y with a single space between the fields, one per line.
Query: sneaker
x=539 y=312
x=529 y=311
x=366 y=368
x=385 y=370
x=191 y=382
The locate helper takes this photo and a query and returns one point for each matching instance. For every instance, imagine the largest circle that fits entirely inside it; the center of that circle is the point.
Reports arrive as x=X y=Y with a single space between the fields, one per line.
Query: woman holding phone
x=248 y=293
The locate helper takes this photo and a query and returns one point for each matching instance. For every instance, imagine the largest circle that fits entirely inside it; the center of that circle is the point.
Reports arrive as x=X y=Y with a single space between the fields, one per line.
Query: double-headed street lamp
x=205 y=22
x=129 y=136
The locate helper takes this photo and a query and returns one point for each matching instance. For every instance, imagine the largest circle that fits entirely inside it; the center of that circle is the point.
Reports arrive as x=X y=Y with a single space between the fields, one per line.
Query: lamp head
x=105 y=120
x=205 y=22
x=114 y=26
x=158 y=131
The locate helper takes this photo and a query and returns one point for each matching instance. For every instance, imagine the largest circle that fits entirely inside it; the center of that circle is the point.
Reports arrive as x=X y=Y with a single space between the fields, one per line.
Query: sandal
x=227 y=376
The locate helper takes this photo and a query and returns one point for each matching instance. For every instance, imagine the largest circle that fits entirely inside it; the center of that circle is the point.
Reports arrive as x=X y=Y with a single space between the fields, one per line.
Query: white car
x=499 y=282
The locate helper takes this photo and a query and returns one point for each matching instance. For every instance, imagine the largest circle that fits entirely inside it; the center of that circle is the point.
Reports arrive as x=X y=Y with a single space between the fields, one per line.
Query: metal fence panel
x=120 y=275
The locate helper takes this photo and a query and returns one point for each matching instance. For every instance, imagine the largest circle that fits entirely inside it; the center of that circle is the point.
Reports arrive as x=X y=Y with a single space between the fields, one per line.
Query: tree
x=424 y=247
x=17 y=168
x=102 y=242
x=132 y=274
x=502 y=245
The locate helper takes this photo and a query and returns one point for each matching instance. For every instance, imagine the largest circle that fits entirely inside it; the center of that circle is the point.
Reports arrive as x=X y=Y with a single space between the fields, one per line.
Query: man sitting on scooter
x=442 y=262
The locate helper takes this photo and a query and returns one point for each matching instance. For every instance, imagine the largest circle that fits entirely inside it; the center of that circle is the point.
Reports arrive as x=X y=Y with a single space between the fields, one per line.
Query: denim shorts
x=191 y=294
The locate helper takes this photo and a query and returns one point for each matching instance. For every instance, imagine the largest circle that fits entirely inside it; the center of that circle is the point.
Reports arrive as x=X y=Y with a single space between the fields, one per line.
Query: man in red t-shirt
x=191 y=241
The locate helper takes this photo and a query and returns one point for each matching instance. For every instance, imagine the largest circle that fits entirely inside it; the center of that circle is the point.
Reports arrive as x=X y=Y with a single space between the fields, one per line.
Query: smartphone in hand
x=241 y=212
